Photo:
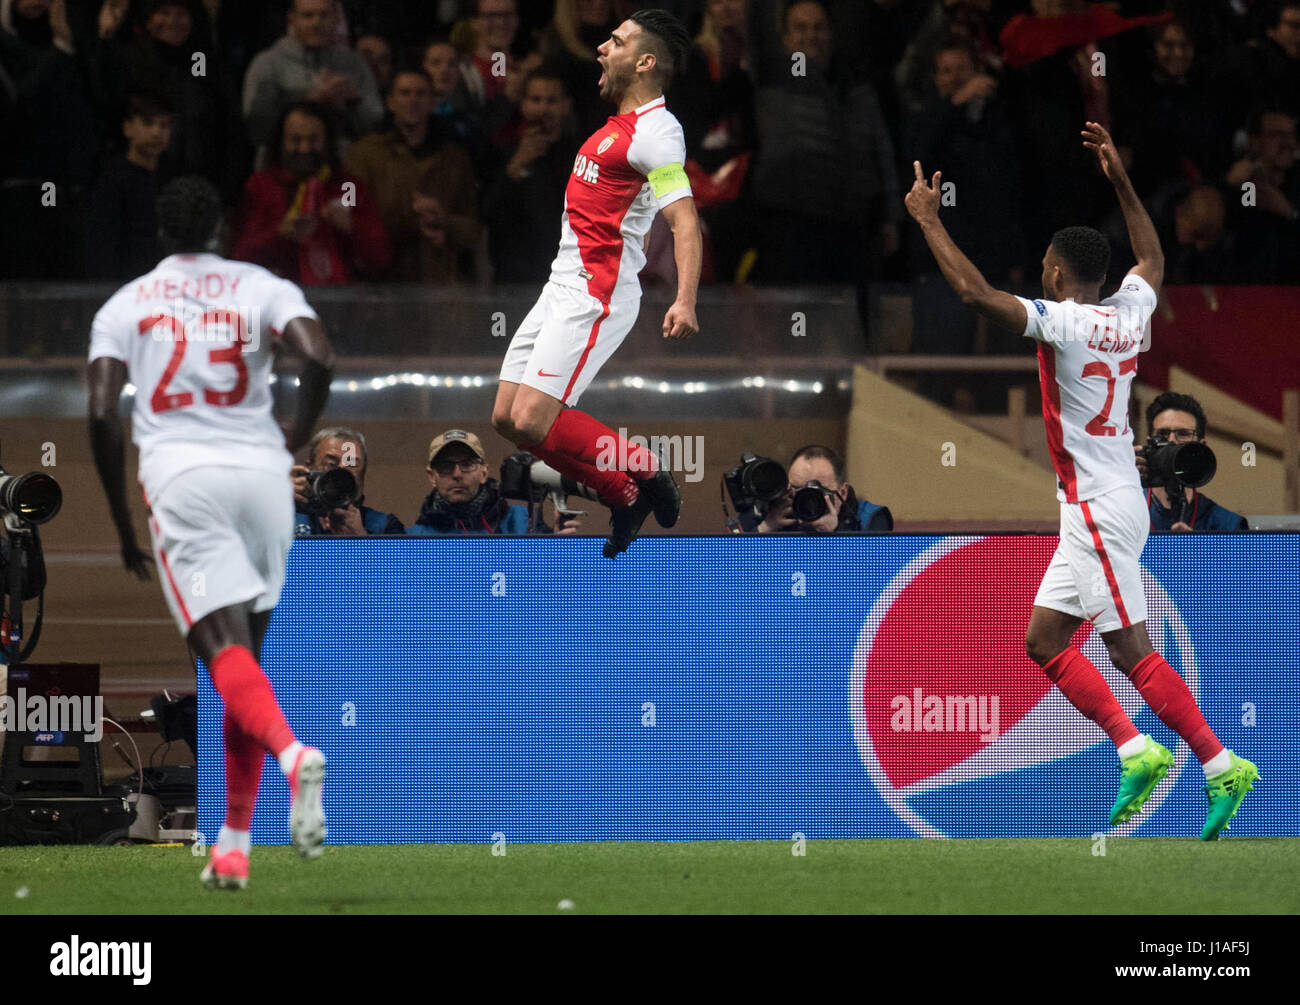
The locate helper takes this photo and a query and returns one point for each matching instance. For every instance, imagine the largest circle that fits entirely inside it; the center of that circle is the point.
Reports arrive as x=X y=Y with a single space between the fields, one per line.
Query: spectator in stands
x=1055 y=55
x=1162 y=128
x=846 y=514
x=523 y=204
x=441 y=64
x=309 y=64
x=714 y=101
x=1179 y=418
x=423 y=182
x=1198 y=247
x=1266 y=69
x=1264 y=189
x=339 y=447
x=49 y=147
x=965 y=130
x=378 y=54
x=913 y=74
x=463 y=498
x=207 y=134
x=123 y=231
x=304 y=219
x=485 y=72
x=569 y=43
x=825 y=181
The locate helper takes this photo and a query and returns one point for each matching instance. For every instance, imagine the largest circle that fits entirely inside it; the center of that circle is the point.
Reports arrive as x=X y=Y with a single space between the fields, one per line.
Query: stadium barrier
x=527 y=690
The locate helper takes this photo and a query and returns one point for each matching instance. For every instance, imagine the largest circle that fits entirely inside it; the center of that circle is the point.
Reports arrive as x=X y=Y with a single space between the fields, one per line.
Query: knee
x=502 y=424
x=1042 y=649
x=529 y=425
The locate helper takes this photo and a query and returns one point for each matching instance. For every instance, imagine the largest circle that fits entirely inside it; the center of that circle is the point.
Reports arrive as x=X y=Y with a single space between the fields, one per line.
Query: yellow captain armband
x=668 y=178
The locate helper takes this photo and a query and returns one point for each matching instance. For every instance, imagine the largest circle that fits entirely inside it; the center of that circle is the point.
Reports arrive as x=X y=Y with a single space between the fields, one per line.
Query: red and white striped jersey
x=1087 y=358
x=624 y=173
x=195 y=335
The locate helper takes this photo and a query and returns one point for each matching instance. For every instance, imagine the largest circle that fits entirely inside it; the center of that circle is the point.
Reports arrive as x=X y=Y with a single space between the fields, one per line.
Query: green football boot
x=1225 y=793
x=1140 y=773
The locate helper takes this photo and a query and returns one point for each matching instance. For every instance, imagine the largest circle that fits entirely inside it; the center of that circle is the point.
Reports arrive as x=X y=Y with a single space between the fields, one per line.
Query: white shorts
x=565 y=340
x=1096 y=572
x=220 y=537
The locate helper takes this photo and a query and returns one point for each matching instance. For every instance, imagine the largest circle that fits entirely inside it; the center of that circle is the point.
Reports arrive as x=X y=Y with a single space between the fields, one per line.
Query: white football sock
x=1218 y=764
x=232 y=840
x=287 y=756
x=1134 y=746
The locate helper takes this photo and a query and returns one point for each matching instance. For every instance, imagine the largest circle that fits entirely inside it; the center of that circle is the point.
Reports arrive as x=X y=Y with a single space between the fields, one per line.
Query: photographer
x=1176 y=419
x=845 y=514
x=332 y=448
x=464 y=499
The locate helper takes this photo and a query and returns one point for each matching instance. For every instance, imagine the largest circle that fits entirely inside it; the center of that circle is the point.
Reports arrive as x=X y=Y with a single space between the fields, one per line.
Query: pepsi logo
x=956 y=725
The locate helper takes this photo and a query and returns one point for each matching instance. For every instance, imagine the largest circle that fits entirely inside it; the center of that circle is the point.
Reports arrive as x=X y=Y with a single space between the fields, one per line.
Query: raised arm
x=969 y=283
x=1141 y=231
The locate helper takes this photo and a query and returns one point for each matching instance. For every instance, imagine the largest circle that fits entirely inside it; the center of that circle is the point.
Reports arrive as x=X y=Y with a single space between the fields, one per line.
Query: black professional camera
x=334 y=488
x=1175 y=466
x=29 y=499
x=760 y=483
x=755 y=486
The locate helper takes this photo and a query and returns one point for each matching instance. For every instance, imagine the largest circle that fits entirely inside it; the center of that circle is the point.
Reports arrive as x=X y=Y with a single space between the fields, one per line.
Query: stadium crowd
x=430 y=140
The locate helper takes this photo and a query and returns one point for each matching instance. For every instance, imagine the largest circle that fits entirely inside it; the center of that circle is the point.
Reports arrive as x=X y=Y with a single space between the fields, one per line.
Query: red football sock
x=1171 y=700
x=1087 y=690
x=244 y=757
x=590 y=452
x=249 y=698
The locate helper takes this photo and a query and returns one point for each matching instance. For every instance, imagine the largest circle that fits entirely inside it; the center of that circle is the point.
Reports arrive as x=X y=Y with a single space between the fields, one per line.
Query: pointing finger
x=916 y=166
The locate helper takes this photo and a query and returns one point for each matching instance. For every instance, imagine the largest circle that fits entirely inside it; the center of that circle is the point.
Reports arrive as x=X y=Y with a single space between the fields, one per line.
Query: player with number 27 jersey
x=1087 y=357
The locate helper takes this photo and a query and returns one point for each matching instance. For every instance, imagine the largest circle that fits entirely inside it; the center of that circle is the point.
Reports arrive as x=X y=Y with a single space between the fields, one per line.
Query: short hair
x=814 y=452
x=339 y=433
x=275 y=148
x=792 y=4
x=1182 y=403
x=1085 y=251
x=1271 y=14
x=406 y=70
x=1255 y=121
x=189 y=212
x=666 y=37
x=954 y=42
x=148 y=105
x=547 y=71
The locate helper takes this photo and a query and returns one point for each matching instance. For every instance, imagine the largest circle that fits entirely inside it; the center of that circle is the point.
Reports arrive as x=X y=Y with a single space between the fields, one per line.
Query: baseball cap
x=456 y=436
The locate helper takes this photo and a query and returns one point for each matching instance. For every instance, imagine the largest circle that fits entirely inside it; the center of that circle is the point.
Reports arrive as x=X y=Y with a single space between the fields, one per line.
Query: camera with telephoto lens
x=756 y=485
x=1175 y=466
x=328 y=490
x=30 y=499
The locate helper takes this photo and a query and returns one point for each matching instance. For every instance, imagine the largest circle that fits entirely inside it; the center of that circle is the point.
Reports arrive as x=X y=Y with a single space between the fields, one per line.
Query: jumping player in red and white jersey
x=195 y=336
x=1087 y=357
x=626 y=172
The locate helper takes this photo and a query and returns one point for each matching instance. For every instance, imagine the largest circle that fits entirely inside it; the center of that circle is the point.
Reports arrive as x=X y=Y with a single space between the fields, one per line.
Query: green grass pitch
x=1029 y=875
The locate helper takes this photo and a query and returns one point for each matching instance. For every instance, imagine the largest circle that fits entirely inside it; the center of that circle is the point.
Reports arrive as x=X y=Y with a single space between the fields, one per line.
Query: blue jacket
x=495 y=515
x=375 y=522
x=874 y=518
x=1204 y=514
